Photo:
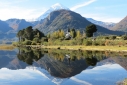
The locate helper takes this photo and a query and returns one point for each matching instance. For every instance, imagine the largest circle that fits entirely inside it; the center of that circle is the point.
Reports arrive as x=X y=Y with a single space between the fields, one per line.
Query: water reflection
x=62 y=67
x=28 y=55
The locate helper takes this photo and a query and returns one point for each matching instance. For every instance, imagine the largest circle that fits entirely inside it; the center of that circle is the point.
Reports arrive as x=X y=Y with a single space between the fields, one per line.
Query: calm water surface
x=61 y=67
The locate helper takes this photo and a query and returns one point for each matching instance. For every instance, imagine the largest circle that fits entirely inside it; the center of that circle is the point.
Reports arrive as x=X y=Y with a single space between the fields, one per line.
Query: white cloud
x=9 y=10
x=82 y=5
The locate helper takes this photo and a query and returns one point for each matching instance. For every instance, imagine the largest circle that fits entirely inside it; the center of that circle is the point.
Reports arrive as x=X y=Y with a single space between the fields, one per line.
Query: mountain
x=4 y=27
x=18 y=24
x=100 y=23
x=121 y=26
x=54 y=7
x=58 y=6
x=64 y=19
x=6 y=32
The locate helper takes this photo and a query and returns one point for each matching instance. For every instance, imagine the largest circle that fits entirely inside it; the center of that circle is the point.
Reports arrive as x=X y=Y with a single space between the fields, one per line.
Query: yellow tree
x=78 y=34
x=61 y=34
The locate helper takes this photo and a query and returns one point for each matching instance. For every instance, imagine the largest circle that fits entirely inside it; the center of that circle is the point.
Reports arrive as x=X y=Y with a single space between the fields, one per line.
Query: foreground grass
x=99 y=48
x=6 y=47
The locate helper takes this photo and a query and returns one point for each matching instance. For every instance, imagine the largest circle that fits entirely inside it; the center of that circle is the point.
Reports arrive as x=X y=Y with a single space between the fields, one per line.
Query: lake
x=28 y=66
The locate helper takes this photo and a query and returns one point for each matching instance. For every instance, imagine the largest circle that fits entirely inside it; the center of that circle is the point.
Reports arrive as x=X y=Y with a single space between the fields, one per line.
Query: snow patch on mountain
x=100 y=23
x=54 y=7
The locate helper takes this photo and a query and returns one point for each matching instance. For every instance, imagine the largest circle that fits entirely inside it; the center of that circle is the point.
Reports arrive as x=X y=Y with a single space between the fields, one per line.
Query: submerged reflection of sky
x=22 y=77
x=100 y=75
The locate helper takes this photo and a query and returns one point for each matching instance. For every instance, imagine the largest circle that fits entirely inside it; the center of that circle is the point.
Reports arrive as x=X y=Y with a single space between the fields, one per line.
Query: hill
x=18 y=24
x=121 y=26
x=4 y=27
x=100 y=23
x=64 y=19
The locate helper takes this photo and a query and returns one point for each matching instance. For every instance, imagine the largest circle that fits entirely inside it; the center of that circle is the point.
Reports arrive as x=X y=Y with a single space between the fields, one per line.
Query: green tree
x=90 y=30
x=19 y=35
x=38 y=34
x=29 y=31
x=73 y=33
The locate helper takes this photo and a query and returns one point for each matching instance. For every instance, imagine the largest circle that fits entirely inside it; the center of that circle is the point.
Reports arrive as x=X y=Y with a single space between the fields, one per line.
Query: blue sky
x=102 y=10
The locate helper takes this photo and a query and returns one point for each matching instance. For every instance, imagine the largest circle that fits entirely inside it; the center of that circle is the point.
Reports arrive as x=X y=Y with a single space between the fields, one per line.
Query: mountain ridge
x=64 y=19
x=121 y=26
x=107 y=25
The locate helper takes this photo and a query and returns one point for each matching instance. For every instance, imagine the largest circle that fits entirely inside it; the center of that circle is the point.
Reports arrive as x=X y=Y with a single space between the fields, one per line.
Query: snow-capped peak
x=54 y=7
x=58 y=6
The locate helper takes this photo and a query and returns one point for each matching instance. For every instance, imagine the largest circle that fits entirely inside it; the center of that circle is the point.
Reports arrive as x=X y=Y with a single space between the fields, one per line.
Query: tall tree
x=20 y=34
x=73 y=33
x=90 y=30
x=38 y=34
x=29 y=31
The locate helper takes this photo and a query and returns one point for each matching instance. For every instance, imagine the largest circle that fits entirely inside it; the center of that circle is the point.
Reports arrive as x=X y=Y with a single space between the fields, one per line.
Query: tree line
x=29 y=36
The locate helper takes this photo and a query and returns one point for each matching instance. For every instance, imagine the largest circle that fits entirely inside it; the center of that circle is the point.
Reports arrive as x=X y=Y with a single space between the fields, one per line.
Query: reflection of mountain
x=46 y=74
x=16 y=64
x=6 y=57
x=121 y=61
x=62 y=69
x=9 y=60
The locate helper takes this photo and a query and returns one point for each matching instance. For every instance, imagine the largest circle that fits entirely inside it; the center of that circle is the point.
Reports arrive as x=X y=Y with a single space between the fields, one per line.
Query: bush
x=15 y=43
x=95 y=43
x=112 y=37
x=87 y=42
x=124 y=37
x=33 y=43
x=27 y=42
x=36 y=40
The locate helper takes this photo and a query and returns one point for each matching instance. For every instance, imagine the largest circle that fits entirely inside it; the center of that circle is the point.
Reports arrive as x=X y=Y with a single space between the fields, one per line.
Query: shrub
x=124 y=37
x=33 y=43
x=95 y=43
x=15 y=43
x=36 y=40
x=27 y=42
x=87 y=42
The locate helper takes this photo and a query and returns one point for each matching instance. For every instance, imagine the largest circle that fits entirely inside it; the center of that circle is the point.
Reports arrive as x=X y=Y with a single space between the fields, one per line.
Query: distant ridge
x=121 y=26
x=103 y=24
x=18 y=24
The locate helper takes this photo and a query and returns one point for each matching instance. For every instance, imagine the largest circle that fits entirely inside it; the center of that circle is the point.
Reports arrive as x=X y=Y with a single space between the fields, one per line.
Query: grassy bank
x=99 y=48
x=6 y=47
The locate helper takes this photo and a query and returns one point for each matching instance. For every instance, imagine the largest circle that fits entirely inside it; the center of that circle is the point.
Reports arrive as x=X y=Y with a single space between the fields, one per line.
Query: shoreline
x=76 y=47
x=94 y=48
x=6 y=47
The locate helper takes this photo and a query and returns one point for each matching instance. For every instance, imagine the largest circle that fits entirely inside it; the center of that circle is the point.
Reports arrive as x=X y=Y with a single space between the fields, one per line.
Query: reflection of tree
x=28 y=55
x=91 y=61
x=91 y=57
